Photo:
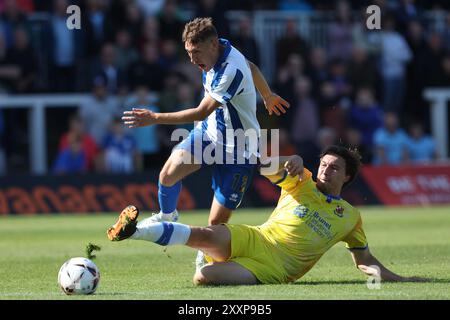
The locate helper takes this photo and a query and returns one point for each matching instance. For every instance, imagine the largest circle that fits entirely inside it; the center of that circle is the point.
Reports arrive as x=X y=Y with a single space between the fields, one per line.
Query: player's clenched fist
x=294 y=166
x=139 y=118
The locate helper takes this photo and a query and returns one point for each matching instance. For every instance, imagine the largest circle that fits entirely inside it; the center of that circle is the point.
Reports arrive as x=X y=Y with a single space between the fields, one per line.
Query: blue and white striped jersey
x=230 y=82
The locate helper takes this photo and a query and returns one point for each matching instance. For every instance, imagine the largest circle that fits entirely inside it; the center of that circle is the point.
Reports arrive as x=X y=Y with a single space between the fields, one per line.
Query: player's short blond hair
x=199 y=30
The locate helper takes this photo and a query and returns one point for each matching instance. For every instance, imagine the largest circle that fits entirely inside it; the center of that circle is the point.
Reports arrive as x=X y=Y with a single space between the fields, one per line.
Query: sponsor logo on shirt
x=301 y=211
x=339 y=211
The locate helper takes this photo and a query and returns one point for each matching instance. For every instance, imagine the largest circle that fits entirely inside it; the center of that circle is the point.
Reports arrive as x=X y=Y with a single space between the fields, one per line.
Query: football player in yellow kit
x=309 y=219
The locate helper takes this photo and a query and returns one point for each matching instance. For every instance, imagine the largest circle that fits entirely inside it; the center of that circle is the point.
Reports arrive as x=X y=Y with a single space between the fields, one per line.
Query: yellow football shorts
x=252 y=250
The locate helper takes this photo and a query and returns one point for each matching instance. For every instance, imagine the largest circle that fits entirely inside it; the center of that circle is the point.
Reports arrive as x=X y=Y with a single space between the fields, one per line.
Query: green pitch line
x=411 y=241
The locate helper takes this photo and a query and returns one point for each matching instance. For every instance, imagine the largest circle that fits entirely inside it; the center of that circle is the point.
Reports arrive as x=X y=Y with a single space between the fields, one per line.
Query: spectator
x=120 y=154
x=106 y=68
x=167 y=100
x=170 y=23
x=416 y=39
x=98 y=111
x=285 y=146
x=390 y=142
x=433 y=62
x=287 y=74
x=446 y=33
x=338 y=78
x=245 y=42
x=125 y=15
x=9 y=72
x=366 y=115
x=149 y=33
x=126 y=54
x=317 y=69
x=147 y=71
x=305 y=115
x=169 y=56
x=63 y=53
x=88 y=145
x=340 y=32
x=191 y=73
x=71 y=159
x=2 y=145
x=353 y=139
x=11 y=19
x=148 y=139
x=325 y=136
x=332 y=113
x=421 y=147
x=97 y=27
x=406 y=12
x=133 y=21
x=23 y=56
x=185 y=98
x=445 y=72
x=361 y=70
x=290 y=43
x=214 y=9
x=416 y=70
x=395 y=55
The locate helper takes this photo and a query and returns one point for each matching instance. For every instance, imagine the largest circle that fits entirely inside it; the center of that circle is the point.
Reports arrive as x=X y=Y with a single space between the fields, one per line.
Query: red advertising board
x=409 y=185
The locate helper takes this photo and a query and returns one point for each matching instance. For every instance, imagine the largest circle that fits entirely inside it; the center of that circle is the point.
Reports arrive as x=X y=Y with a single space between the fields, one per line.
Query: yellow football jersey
x=306 y=223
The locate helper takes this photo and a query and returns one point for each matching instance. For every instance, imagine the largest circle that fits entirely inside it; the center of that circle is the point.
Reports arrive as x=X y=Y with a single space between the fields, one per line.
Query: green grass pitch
x=409 y=241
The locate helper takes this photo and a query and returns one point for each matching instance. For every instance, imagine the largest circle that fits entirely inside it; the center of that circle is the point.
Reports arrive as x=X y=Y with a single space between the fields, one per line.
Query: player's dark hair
x=199 y=30
x=351 y=157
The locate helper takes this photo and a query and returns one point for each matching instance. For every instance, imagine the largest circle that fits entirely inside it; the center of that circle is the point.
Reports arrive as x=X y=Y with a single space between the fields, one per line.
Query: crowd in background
x=129 y=53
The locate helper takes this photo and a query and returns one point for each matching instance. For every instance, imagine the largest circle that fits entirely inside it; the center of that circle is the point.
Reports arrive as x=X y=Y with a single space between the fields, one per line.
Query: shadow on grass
x=333 y=282
x=440 y=280
x=114 y=294
x=298 y=283
x=345 y=282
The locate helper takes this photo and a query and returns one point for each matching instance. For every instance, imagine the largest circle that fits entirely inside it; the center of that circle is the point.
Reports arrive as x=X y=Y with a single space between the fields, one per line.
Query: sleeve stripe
x=234 y=85
x=282 y=179
x=235 y=120
x=359 y=248
x=218 y=76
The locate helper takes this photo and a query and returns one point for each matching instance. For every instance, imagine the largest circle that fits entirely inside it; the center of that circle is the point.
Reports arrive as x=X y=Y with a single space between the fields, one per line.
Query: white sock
x=163 y=233
x=167 y=216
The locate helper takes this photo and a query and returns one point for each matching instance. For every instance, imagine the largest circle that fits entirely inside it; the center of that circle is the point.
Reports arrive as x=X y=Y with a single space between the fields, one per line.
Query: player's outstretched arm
x=275 y=168
x=367 y=263
x=138 y=117
x=273 y=102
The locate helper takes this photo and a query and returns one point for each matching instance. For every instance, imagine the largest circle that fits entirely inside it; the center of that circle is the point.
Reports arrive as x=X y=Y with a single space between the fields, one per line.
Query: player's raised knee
x=163 y=178
x=166 y=179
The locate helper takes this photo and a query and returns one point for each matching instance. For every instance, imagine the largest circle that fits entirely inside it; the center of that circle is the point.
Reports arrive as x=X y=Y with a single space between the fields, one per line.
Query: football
x=78 y=276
